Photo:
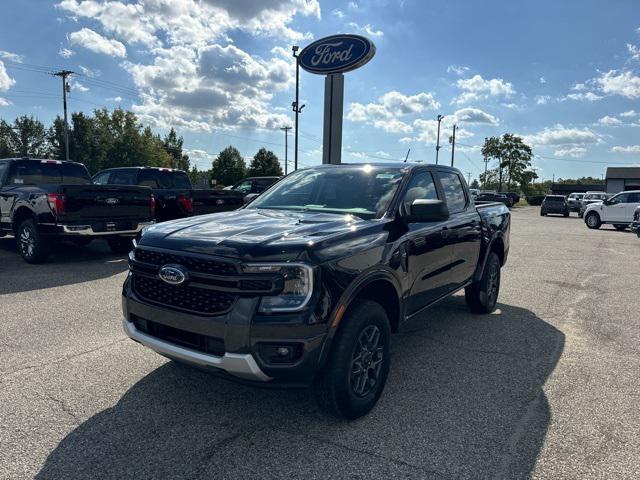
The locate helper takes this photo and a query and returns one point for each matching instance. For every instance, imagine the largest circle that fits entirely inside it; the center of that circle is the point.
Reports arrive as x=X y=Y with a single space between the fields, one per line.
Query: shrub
x=535 y=199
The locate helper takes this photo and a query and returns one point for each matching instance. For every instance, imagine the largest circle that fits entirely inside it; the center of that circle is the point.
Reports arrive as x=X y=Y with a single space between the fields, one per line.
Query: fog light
x=283 y=351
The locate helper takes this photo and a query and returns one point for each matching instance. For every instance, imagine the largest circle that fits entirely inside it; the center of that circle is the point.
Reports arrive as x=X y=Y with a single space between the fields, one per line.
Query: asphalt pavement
x=546 y=387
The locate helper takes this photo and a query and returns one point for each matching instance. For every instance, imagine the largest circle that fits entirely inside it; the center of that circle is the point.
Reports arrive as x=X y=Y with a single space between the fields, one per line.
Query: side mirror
x=606 y=201
x=428 y=211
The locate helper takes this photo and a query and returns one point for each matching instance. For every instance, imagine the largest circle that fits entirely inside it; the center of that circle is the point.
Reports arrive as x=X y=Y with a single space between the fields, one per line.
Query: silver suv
x=589 y=198
x=574 y=201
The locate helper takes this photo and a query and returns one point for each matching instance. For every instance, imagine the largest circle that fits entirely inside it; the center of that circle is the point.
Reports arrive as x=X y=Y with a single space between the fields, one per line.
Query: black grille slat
x=191 y=299
x=193 y=264
x=194 y=341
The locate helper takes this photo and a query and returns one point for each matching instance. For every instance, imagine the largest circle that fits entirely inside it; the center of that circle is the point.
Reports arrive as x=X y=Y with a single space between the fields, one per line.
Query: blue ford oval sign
x=336 y=54
x=173 y=274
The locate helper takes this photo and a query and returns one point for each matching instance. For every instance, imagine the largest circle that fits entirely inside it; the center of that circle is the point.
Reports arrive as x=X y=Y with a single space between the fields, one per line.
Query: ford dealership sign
x=336 y=54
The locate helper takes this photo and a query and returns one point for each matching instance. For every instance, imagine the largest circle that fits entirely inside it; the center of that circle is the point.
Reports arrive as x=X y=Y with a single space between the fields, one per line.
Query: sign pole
x=332 y=130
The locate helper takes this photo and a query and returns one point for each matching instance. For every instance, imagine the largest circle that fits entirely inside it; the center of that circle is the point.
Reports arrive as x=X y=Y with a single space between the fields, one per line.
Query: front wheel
x=593 y=220
x=358 y=365
x=620 y=227
x=120 y=245
x=566 y=214
x=31 y=245
x=482 y=296
x=542 y=213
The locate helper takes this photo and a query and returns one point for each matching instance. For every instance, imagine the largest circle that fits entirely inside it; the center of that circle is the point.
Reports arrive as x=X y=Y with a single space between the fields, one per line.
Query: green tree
x=513 y=155
x=264 y=164
x=26 y=138
x=475 y=184
x=228 y=167
x=8 y=140
x=173 y=146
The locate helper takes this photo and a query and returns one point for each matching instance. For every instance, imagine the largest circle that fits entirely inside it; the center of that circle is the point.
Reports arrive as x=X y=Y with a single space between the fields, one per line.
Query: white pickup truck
x=617 y=210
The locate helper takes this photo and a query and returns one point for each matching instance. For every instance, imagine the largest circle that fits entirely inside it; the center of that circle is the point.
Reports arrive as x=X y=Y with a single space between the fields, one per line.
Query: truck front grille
x=193 y=264
x=190 y=299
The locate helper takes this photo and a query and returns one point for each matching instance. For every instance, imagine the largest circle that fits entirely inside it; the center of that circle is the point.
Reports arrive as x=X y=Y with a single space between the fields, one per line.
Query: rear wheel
x=358 y=365
x=593 y=220
x=482 y=296
x=31 y=245
x=120 y=245
x=619 y=226
x=543 y=213
x=566 y=213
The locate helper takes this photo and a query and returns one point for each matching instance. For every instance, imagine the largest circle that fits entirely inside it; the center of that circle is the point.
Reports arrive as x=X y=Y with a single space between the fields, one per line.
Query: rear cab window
x=34 y=172
x=4 y=166
x=454 y=193
x=181 y=180
x=124 y=177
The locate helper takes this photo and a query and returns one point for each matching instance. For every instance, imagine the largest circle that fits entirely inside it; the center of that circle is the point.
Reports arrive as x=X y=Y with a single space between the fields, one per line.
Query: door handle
x=444 y=233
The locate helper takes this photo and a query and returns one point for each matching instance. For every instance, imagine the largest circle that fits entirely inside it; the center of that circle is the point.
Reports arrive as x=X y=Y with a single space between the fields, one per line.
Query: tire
x=543 y=213
x=593 y=220
x=364 y=336
x=120 y=245
x=31 y=245
x=482 y=296
x=566 y=214
x=620 y=227
x=580 y=215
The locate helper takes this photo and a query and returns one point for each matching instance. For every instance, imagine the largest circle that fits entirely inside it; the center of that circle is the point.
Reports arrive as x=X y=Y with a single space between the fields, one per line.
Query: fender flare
x=349 y=295
x=482 y=260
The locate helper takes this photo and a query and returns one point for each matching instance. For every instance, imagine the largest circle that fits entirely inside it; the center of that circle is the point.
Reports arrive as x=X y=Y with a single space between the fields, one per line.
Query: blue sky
x=565 y=75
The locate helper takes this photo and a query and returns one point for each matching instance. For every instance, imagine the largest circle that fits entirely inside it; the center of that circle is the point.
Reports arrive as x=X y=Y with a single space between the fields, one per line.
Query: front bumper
x=241 y=365
x=635 y=226
x=243 y=333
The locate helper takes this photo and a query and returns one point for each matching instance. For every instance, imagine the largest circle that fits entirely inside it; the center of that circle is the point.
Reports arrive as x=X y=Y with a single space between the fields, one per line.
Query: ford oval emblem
x=337 y=53
x=173 y=274
x=111 y=201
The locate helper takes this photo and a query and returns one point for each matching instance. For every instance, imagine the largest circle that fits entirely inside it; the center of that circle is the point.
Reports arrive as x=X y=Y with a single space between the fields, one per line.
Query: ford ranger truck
x=305 y=285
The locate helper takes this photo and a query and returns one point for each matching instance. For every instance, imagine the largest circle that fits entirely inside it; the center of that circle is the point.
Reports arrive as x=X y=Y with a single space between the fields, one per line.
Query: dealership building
x=619 y=179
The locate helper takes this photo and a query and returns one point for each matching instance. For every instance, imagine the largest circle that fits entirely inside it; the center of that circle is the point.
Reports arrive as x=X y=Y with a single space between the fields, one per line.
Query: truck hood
x=255 y=234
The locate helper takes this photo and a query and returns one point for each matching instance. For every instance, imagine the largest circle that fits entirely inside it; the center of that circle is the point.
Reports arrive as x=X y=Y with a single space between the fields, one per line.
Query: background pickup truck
x=42 y=200
x=172 y=189
x=305 y=284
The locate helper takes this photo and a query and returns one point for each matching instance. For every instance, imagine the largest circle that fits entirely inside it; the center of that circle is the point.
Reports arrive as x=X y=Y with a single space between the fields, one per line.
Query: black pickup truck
x=44 y=200
x=304 y=285
x=172 y=189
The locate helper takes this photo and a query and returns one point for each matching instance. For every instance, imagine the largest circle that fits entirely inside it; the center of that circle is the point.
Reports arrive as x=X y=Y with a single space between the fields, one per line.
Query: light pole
x=286 y=148
x=440 y=117
x=297 y=108
x=453 y=142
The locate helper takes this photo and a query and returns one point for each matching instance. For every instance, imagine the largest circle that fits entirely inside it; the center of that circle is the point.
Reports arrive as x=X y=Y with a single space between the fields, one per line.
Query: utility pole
x=65 y=88
x=286 y=148
x=297 y=108
x=468 y=178
x=440 y=117
x=452 y=140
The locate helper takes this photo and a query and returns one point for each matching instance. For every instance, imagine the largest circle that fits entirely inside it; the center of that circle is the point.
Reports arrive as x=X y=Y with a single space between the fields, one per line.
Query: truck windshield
x=364 y=191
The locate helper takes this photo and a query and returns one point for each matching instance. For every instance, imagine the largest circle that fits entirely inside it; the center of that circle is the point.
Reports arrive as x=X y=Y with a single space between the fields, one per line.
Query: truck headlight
x=297 y=286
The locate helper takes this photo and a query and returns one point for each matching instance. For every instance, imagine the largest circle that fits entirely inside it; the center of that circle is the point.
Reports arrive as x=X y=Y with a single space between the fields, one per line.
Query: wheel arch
x=379 y=286
x=21 y=214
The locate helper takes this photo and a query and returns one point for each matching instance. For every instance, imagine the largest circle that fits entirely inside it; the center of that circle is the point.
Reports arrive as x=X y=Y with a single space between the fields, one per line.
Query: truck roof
x=399 y=165
x=41 y=160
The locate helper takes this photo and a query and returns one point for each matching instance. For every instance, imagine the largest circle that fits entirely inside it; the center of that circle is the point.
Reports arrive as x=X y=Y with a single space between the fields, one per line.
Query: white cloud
x=338 y=13
x=560 y=135
x=385 y=113
x=579 y=87
x=66 y=53
x=588 y=96
x=13 y=57
x=626 y=149
x=89 y=72
x=77 y=86
x=475 y=116
x=542 y=99
x=542 y=80
x=624 y=83
x=575 y=152
x=95 y=42
x=609 y=121
x=457 y=69
x=6 y=82
x=4 y=102
x=427 y=131
x=477 y=88
x=353 y=5
x=629 y=113
x=368 y=29
x=634 y=51
x=115 y=99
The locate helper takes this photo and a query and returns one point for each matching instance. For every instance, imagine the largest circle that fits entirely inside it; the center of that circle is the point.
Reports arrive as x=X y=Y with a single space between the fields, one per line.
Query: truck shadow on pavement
x=464 y=399
x=69 y=264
